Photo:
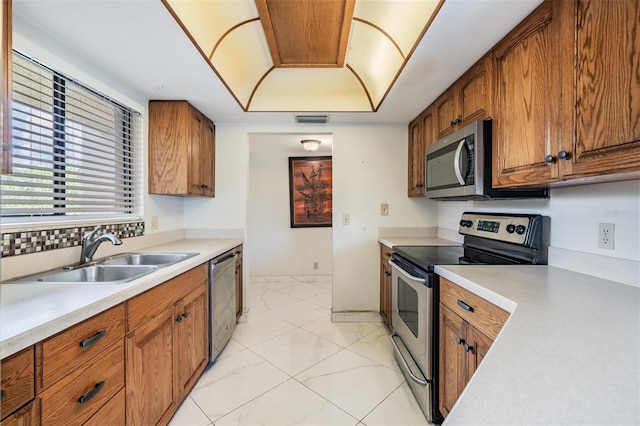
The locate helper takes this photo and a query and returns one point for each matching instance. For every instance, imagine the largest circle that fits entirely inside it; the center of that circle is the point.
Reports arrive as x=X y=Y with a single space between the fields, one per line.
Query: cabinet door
x=28 y=415
x=207 y=158
x=446 y=112
x=452 y=366
x=17 y=381
x=416 y=159
x=608 y=89
x=150 y=377
x=477 y=346
x=527 y=94
x=385 y=285
x=192 y=342
x=196 y=123
x=475 y=92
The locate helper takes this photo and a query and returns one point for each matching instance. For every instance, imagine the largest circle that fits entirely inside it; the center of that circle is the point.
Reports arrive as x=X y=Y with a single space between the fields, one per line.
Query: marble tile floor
x=288 y=364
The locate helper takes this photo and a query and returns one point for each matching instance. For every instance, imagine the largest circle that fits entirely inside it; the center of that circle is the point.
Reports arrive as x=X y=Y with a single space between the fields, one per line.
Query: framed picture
x=310 y=191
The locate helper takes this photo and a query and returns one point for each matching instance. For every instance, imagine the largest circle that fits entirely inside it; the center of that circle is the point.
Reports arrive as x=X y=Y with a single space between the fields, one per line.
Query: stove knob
x=466 y=223
x=511 y=228
x=520 y=229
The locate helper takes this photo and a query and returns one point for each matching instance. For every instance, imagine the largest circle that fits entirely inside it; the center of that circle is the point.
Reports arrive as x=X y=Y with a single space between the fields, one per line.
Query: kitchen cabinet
x=17 y=388
x=238 y=251
x=5 y=85
x=181 y=150
x=167 y=346
x=607 y=98
x=421 y=136
x=468 y=327
x=567 y=102
x=466 y=100
x=527 y=123
x=385 y=285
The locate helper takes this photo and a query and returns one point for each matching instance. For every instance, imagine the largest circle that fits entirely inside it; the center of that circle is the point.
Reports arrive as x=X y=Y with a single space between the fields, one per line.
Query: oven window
x=408 y=306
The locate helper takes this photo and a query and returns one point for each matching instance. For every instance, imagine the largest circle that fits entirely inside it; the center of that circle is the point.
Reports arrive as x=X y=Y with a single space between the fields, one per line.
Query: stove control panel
x=514 y=229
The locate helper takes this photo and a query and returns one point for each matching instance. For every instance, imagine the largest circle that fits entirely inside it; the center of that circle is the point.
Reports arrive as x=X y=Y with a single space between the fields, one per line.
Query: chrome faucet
x=90 y=246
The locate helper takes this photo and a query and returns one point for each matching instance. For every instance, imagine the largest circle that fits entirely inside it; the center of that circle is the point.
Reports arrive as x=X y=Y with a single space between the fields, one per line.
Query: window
x=74 y=151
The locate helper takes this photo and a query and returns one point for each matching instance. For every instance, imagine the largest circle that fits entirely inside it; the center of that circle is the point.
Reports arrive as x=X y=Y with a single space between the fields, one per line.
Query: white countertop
x=568 y=354
x=30 y=312
x=416 y=241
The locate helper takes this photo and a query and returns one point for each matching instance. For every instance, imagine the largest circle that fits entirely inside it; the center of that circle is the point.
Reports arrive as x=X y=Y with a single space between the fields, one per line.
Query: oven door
x=412 y=319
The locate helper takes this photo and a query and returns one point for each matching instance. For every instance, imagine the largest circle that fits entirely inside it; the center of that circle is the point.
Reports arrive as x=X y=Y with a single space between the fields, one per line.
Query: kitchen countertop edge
x=57 y=307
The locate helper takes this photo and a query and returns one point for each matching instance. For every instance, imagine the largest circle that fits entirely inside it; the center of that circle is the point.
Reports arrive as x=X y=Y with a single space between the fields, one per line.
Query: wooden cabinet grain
x=468 y=326
x=466 y=100
x=17 y=384
x=181 y=150
x=385 y=285
x=607 y=99
x=421 y=136
x=167 y=346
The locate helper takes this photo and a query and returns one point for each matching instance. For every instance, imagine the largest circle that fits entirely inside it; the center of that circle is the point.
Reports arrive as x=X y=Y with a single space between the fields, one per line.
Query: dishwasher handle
x=221 y=259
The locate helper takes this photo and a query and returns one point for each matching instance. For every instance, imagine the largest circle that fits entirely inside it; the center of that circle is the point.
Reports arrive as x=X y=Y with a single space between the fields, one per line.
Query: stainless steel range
x=489 y=239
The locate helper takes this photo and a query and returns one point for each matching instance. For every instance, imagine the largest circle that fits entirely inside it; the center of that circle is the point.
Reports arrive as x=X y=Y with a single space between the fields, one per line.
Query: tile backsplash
x=25 y=242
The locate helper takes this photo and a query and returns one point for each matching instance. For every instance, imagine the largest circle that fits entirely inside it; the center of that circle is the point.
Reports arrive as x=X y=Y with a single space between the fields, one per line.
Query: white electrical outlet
x=345 y=219
x=606 y=235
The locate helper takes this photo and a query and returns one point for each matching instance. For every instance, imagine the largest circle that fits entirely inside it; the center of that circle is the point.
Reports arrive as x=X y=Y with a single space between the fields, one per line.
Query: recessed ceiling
x=306 y=55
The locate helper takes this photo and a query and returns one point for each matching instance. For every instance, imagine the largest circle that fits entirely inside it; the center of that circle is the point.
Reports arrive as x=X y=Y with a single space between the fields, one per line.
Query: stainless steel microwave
x=458 y=167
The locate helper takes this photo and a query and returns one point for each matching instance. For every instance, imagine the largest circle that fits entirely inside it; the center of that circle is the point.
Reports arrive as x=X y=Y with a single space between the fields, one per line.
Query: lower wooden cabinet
x=29 y=415
x=468 y=326
x=167 y=353
x=385 y=285
x=18 y=388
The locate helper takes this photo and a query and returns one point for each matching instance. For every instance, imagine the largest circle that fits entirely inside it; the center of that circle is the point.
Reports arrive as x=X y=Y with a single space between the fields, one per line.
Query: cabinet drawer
x=17 y=380
x=79 y=395
x=26 y=416
x=66 y=351
x=385 y=252
x=112 y=413
x=147 y=305
x=483 y=315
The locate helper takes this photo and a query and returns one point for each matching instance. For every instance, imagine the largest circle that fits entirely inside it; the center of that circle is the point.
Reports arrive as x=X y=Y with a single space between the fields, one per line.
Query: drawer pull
x=92 y=393
x=93 y=340
x=1 y=394
x=465 y=306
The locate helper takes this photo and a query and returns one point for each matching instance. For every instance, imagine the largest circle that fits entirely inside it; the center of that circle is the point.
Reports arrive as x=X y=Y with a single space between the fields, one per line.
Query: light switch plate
x=384 y=209
x=345 y=219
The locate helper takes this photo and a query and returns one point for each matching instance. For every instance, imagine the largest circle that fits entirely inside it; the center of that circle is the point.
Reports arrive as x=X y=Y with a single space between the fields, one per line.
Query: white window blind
x=74 y=151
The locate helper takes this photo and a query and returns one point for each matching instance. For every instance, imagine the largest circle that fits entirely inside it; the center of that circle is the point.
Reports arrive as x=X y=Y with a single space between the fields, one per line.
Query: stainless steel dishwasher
x=222 y=302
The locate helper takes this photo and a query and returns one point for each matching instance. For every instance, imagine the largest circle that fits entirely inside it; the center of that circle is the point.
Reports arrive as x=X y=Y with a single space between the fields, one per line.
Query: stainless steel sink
x=158 y=259
x=96 y=274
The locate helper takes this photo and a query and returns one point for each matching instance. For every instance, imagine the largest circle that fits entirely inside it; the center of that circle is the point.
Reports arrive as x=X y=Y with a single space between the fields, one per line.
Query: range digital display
x=488 y=226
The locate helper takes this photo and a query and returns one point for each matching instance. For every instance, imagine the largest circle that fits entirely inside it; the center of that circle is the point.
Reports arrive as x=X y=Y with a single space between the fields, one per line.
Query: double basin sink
x=110 y=270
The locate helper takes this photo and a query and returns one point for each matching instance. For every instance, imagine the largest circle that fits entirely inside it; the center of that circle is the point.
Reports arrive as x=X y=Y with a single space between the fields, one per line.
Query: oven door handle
x=403 y=272
x=406 y=367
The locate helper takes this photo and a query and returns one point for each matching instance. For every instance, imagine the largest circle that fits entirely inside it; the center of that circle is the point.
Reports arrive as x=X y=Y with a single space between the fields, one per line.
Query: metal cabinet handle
x=93 y=340
x=185 y=315
x=179 y=318
x=467 y=348
x=564 y=155
x=549 y=159
x=92 y=393
x=2 y=392
x=456 y=121
x=465 y=306
x=459 y=341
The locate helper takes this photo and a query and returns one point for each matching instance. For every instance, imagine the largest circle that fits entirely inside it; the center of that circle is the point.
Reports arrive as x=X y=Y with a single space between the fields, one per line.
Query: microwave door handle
x=456 y=162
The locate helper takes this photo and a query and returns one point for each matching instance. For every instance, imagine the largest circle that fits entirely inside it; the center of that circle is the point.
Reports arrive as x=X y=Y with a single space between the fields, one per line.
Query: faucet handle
x=90 y=234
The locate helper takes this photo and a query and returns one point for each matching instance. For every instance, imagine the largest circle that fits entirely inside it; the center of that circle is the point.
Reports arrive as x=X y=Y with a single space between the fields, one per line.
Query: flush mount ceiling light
x=310 y=144
x=306 y=55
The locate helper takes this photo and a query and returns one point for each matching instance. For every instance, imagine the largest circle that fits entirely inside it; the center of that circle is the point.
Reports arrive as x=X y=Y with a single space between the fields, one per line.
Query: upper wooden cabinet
x=526 y=125
x=467 y=100
x=567 y=104
x=181 y=150
x=421 y=135
x=607 y=99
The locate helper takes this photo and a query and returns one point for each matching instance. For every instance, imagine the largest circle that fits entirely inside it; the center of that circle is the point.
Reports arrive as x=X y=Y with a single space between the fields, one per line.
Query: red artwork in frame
x=310 y=191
